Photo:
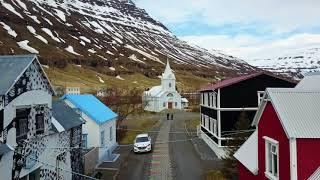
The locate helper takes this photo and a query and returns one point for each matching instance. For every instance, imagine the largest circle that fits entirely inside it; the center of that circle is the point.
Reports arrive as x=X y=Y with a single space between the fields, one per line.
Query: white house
x=73 y=90
x=165 y=96
x=99 y=130
x=26 y=131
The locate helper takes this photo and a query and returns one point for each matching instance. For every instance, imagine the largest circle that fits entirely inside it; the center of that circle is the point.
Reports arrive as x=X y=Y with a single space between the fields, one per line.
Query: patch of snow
x=121 y=54
x=23 y=5
x=10 y=8
x=71 y=50
x=41 y=39
x=78 y=65
x=68 y=24
x=135 y=82
x=49 y=22
x=160 y=77
x=35 y=19
x=24 y=45
x=61 y=15
x=101 y=80
x=32 y=30
x=110 y=52
x=112 y=68
x=48 y=31
x=134 y=58
x=85 y=39
x=46 y=66
x=119 y=77
x=144 y=53
x=102 y=57
x=74 y=37
x=83 y=43
x=9 y=30
x=92 y=51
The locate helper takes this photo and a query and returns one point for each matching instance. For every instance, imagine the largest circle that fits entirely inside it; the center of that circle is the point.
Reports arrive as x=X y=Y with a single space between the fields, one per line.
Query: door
x=169 y=105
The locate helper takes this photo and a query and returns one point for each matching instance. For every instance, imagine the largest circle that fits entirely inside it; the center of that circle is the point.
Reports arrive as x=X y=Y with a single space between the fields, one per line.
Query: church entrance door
x=169 y=105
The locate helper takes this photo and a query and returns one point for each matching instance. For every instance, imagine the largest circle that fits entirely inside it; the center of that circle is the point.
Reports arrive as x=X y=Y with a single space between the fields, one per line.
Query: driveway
x=174 y=155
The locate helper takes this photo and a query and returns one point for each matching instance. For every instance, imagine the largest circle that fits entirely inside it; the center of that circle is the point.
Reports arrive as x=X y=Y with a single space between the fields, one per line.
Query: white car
x=142 y=143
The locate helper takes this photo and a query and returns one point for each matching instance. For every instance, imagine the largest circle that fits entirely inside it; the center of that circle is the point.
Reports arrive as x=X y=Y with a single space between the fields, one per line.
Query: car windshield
x=142 y=139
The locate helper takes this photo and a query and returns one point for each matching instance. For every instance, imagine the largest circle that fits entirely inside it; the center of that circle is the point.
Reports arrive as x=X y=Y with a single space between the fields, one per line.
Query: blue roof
x=92 y=107
x=11 y=68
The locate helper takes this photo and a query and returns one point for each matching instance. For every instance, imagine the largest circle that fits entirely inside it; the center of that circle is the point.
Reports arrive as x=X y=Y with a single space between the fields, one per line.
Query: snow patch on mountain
x=10 y=31
x=24 y=45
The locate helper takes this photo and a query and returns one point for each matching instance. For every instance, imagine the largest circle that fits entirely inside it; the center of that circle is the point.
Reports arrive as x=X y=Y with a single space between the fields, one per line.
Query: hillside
x=112 y=37
x=296 y=63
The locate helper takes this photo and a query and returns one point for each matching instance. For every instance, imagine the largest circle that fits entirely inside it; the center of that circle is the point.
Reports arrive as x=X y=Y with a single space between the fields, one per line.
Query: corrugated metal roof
x=65 y=115
x=315 y=175
x=11 y=68
x=298 y=111
x=91 y=106
x=310 y=82
x=247 y=154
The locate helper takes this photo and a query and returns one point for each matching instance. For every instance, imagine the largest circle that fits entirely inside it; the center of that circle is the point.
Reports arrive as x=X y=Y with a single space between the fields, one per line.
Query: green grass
x=86 y=78
x=141 y=124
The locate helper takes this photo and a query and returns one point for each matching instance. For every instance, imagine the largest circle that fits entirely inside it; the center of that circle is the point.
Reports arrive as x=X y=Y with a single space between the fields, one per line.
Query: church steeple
x=168 y=74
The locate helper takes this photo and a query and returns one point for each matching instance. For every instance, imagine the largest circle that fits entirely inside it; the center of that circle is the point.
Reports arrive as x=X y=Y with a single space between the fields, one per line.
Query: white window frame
x=260 y=96
x=214 y=124
x=271 y=142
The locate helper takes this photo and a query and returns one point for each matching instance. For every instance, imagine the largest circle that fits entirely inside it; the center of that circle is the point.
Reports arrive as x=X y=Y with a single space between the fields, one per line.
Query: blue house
x=99 y=130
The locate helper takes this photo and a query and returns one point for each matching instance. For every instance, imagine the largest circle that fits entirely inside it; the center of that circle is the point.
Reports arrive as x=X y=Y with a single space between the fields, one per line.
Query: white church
x=165 y=96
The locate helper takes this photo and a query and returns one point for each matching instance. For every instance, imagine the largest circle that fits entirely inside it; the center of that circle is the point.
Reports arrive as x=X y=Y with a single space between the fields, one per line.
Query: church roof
x=155 y=91
x=168 y=74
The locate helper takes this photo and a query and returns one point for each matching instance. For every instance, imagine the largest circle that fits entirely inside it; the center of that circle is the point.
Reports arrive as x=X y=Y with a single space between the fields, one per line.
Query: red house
x=286 y=142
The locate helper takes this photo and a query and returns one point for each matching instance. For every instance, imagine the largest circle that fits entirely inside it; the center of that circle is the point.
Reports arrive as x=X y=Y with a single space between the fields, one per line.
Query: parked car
x=142 y=143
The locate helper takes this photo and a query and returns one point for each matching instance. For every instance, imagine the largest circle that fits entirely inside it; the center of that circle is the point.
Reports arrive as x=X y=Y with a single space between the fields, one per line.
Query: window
x=111 y=134
x=22 y=123
x=170 y=85
x=84 y=142
x=39 y=123
x=272 y=158
x=214 y=121
x=175 y=104
x=209 y=124
x=202 y=98
x=209 y=97
x=102 y=138
x=164 y=104
x=170 y=95
x=213 y=99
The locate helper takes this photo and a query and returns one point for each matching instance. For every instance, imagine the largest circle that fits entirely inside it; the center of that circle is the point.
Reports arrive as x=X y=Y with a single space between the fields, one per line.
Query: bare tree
x=124 y=102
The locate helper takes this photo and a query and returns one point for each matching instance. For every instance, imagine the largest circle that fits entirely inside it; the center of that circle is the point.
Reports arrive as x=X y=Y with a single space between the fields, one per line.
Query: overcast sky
x=248 y=29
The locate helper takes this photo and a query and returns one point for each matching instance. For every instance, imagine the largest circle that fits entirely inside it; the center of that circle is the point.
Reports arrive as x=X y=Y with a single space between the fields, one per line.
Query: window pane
x=269 y=158
x=275 y=166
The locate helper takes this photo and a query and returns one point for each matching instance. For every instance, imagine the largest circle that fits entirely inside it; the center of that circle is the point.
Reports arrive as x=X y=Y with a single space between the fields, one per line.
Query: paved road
x=178 y=159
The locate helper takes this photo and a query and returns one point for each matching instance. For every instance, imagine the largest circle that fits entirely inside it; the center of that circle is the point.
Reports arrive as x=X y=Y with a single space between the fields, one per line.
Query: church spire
x=168 y=74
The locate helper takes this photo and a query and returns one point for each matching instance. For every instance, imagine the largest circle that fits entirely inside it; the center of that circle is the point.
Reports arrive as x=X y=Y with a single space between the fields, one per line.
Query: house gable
x=32 y=78
x=270 y=126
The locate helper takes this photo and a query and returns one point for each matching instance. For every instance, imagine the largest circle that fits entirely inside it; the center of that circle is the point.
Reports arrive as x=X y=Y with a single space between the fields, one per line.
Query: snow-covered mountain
x=296 y=62
x=99 y=33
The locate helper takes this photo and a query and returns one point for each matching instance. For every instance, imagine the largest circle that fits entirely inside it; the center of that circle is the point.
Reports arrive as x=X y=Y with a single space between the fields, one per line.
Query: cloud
x=277 y=16
x=251 y=47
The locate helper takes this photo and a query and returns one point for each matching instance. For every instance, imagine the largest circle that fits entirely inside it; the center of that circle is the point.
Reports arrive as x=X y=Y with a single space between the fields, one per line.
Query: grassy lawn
x=87 y=79
x=141 y=124
x=213 y=175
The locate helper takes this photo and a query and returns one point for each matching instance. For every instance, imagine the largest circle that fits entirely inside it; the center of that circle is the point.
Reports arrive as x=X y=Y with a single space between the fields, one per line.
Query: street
x=174 y=155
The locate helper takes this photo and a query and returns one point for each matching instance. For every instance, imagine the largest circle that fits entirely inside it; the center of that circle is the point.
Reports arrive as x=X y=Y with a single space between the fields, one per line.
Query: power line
x=58 y=167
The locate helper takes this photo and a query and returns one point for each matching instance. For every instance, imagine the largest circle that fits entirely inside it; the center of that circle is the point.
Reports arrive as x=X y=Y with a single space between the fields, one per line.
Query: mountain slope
x=296 y=63
x=113 y=36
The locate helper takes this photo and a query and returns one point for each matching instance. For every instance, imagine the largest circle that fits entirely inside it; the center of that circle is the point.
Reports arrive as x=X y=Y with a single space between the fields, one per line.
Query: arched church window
x=170 y=85
x=170 y=95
